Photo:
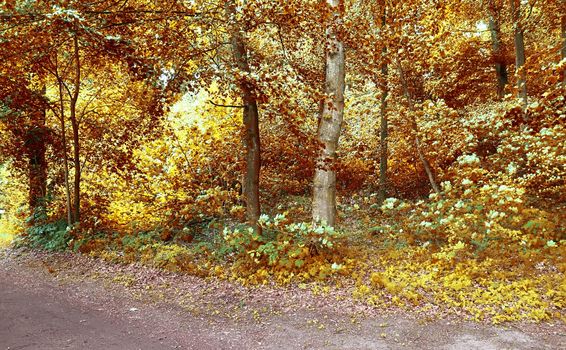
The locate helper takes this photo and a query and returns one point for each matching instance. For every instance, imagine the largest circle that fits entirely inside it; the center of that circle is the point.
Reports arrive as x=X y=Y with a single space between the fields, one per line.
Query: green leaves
x=284 y=246
x=53 y=236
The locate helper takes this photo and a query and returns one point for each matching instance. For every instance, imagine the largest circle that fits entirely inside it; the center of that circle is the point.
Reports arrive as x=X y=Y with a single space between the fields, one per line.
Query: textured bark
x=500 y=66
x=64 y=154
x=563 y=51
x=383 y=126
x=37 y=166
x=330 y=125
x=519 y=51
x=415 y=126
x=251 y=124
x=75 y=129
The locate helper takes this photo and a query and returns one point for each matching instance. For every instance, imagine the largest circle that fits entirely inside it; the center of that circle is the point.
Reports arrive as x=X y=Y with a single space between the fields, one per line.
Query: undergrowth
x=383 y=269
x=5 y=239
x=51 y=235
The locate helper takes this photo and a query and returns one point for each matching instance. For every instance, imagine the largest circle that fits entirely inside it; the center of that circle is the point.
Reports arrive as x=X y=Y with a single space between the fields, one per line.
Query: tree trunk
x=75 y=129
x=324 y=191
x=77 y=163
x=500 y=66
x=563 y=52
x=37 y=167
x=65 y=157
x=383 y=124
x=251 y=124
x=415 y=126
x=519 y=51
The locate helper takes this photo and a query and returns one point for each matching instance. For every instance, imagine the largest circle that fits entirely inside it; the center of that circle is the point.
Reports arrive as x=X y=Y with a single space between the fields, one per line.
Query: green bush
x=52 y=236
x=282 y=245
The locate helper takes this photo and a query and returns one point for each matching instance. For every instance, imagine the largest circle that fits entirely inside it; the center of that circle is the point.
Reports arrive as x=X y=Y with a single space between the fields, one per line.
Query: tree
x=68 y=44
x=330 y=124
x=383 y=121
x=35 y=148
x=518 y=37
x=563 y=31
x=74 y=97
x=415 y=127
x=495 y=31
x=250 y=119
x=23 y=109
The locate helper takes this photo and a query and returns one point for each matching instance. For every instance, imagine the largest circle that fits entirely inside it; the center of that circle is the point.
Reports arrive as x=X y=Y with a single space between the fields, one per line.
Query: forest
x=401 y=153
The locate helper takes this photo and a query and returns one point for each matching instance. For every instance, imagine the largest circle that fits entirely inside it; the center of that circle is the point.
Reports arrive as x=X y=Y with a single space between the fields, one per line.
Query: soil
x=67 y=301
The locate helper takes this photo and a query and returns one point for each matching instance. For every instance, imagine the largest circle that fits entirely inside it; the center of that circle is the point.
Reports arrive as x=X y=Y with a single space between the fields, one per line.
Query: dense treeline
x=430 y=128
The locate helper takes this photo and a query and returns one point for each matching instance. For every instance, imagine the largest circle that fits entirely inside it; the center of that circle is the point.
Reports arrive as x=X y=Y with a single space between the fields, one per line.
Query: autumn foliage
x=187 y=135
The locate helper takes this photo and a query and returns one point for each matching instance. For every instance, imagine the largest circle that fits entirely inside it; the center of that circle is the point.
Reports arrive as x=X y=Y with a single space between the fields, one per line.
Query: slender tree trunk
x=563 y=51
x=324 y=191
x=64 y=150
x=37 y=167
x=415 y=126
x=500 y=66
x=519 y=51
x=75 y=129
x=251 y=124
x=77 y=163
x=383 y=124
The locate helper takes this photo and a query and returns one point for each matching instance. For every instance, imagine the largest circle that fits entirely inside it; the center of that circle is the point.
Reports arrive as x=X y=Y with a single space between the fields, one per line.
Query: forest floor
x=57 y=301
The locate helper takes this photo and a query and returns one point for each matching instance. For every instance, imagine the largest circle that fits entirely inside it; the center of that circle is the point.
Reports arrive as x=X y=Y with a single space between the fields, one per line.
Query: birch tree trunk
x=519 y=51
x=329 y=128
x=252 y=143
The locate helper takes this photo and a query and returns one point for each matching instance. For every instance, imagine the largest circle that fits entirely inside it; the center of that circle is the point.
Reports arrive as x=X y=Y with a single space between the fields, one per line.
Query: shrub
x=285 y=247
x=53 y=236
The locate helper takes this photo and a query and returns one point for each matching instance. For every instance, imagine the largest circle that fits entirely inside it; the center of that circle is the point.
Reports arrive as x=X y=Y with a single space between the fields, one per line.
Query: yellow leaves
x=361 y=291
x=379 y=280
x=482 y=289
x=456 y=281
x=449 y=252
x=13 y=202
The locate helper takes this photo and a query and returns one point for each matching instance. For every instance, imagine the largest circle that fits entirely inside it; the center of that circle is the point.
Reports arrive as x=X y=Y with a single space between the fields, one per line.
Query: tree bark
x=563 y=51
x=415 y=126
x=251 y=124
x=75 y=129
x=37 y=166
x=519 y=51
x=64 y=154
x=500 y=66
x=383 y=124
x=324 y=191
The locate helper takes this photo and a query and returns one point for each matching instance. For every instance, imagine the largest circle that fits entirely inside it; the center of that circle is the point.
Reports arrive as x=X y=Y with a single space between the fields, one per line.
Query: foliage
x=12 y=202
x=284 y=248
x=52 y=236
x=136 y=109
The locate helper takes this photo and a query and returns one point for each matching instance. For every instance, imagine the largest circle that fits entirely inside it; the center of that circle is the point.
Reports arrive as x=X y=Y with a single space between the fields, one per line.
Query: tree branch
x=225 y=106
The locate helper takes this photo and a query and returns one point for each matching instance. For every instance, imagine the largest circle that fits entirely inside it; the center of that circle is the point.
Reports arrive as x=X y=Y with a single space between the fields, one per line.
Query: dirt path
x=74 y=302
x=41 y=321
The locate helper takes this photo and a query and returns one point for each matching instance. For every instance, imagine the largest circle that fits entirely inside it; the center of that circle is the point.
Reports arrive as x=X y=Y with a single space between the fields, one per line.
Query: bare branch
x=225 y=106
